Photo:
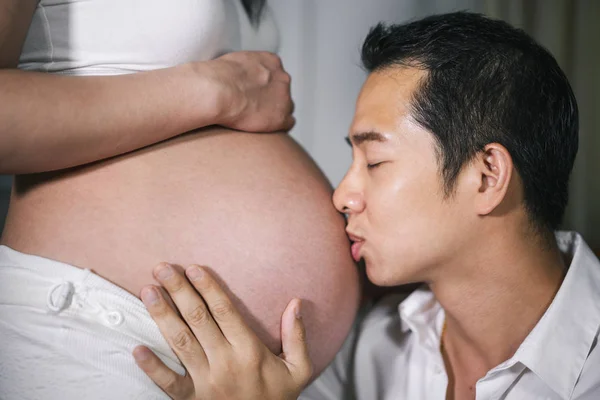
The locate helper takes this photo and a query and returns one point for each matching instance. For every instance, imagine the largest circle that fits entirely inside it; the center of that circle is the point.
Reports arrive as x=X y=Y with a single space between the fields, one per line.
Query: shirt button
x=114 y=318
x=60 y=296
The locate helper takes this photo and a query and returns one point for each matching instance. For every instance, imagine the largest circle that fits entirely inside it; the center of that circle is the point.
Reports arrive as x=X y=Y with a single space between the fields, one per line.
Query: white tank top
x=108 y=37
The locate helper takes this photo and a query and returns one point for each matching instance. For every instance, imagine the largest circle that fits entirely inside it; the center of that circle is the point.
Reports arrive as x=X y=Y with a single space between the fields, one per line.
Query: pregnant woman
x=107 y=185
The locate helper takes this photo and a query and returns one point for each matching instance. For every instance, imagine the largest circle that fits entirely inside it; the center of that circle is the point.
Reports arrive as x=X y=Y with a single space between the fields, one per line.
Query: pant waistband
x=67 y=291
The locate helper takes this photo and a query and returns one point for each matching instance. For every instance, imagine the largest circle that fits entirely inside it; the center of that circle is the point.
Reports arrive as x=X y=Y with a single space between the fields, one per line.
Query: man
x=463 y=140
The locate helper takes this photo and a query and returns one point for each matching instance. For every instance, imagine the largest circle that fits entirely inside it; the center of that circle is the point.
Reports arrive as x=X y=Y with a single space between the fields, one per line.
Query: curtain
x=320 y=44
x=571 y=31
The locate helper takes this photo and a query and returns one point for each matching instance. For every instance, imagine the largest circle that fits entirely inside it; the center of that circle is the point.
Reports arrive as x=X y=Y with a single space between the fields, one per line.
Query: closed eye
x=374 y=165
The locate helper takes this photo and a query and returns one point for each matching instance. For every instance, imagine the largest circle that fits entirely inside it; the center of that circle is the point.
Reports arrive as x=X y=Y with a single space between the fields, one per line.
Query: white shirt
x=108 y=37
x=393 y=353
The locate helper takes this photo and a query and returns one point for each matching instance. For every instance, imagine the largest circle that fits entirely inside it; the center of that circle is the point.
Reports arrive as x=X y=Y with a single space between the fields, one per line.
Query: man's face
x=393 y=195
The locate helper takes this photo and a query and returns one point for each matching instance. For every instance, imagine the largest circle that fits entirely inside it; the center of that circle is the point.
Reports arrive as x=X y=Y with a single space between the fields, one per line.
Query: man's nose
x=348 y=198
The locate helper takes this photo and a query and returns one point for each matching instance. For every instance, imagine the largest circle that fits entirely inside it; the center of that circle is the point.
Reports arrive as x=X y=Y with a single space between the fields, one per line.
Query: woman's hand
x=255 y=92
x=223 y=357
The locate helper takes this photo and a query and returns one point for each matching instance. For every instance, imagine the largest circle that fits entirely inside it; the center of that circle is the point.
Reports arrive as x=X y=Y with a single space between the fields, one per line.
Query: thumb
x=293 y=342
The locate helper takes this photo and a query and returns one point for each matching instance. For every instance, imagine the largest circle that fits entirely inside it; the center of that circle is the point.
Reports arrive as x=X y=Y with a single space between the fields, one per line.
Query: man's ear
x=494 y=166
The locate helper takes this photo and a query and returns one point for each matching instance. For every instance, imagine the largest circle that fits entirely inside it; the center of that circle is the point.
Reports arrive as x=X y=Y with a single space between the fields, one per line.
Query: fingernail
x=298 y=310
x=141 y=353
x=149 y=296
x=194 y=273
x=164 y=272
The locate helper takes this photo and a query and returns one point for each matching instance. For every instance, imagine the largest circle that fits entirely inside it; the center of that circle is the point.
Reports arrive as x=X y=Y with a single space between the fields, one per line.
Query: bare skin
x=491 y=272
x=497 y=264
x=218 y=349
x=254 y=207
x=51 y=122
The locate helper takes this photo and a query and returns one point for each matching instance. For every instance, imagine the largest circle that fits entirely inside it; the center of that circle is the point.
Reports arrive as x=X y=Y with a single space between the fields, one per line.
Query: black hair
x=254 y=9
x=488 y=82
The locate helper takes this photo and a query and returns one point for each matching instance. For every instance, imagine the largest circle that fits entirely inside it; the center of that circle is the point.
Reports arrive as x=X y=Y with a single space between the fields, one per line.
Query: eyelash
x=373 y=166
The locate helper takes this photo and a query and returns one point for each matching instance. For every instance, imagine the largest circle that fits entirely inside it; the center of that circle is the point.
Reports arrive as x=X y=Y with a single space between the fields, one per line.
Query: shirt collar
x=423 y=315
x=558 y=346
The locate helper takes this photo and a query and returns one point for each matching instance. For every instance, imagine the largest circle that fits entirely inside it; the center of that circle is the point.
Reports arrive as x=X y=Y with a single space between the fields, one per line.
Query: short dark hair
x=488 y=82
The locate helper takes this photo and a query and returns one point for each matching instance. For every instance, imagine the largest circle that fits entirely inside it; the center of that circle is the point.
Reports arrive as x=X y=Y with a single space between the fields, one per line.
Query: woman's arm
x=50 y=122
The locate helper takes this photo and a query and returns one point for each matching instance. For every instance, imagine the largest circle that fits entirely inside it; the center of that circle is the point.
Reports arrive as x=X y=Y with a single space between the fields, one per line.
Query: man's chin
x=387 y=276
x=378 y=284
x=379 y=275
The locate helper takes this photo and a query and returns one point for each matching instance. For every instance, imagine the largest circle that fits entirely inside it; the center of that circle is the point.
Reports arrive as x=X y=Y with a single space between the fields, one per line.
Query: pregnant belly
x=254 y=208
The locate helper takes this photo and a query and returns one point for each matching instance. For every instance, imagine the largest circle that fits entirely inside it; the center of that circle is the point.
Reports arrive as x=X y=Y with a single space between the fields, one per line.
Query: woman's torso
x=253 y=207
x=107 y=37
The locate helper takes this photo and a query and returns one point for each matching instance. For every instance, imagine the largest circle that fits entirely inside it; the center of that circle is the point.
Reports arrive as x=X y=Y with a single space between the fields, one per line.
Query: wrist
x=204 y=93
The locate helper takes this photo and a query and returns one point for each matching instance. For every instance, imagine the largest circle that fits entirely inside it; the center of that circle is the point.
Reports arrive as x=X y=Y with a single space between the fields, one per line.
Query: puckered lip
x=354 y=237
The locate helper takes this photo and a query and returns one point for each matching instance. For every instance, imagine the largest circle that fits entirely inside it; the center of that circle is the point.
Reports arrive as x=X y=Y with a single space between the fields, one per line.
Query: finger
x=272 y=60
x=176 y=386
x=175 y=331
x=230 y=321
x=289 y=123
x=192 y=307
x=293 y=341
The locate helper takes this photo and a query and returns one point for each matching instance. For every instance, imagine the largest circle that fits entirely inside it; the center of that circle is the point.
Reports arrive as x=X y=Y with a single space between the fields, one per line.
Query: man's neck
x=493 y=300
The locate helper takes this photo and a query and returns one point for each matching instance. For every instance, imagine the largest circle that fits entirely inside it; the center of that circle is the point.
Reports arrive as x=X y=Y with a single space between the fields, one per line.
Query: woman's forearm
x=50 y=122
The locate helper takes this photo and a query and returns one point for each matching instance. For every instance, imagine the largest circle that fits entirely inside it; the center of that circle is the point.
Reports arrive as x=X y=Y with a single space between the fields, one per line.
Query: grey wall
x=320 y=44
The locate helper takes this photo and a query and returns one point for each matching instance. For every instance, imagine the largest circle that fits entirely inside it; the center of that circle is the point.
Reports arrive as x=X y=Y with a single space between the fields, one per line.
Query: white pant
x=66 y=333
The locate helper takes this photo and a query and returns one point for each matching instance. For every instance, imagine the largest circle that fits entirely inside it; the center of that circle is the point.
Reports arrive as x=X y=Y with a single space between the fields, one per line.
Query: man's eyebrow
x=358 y=138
